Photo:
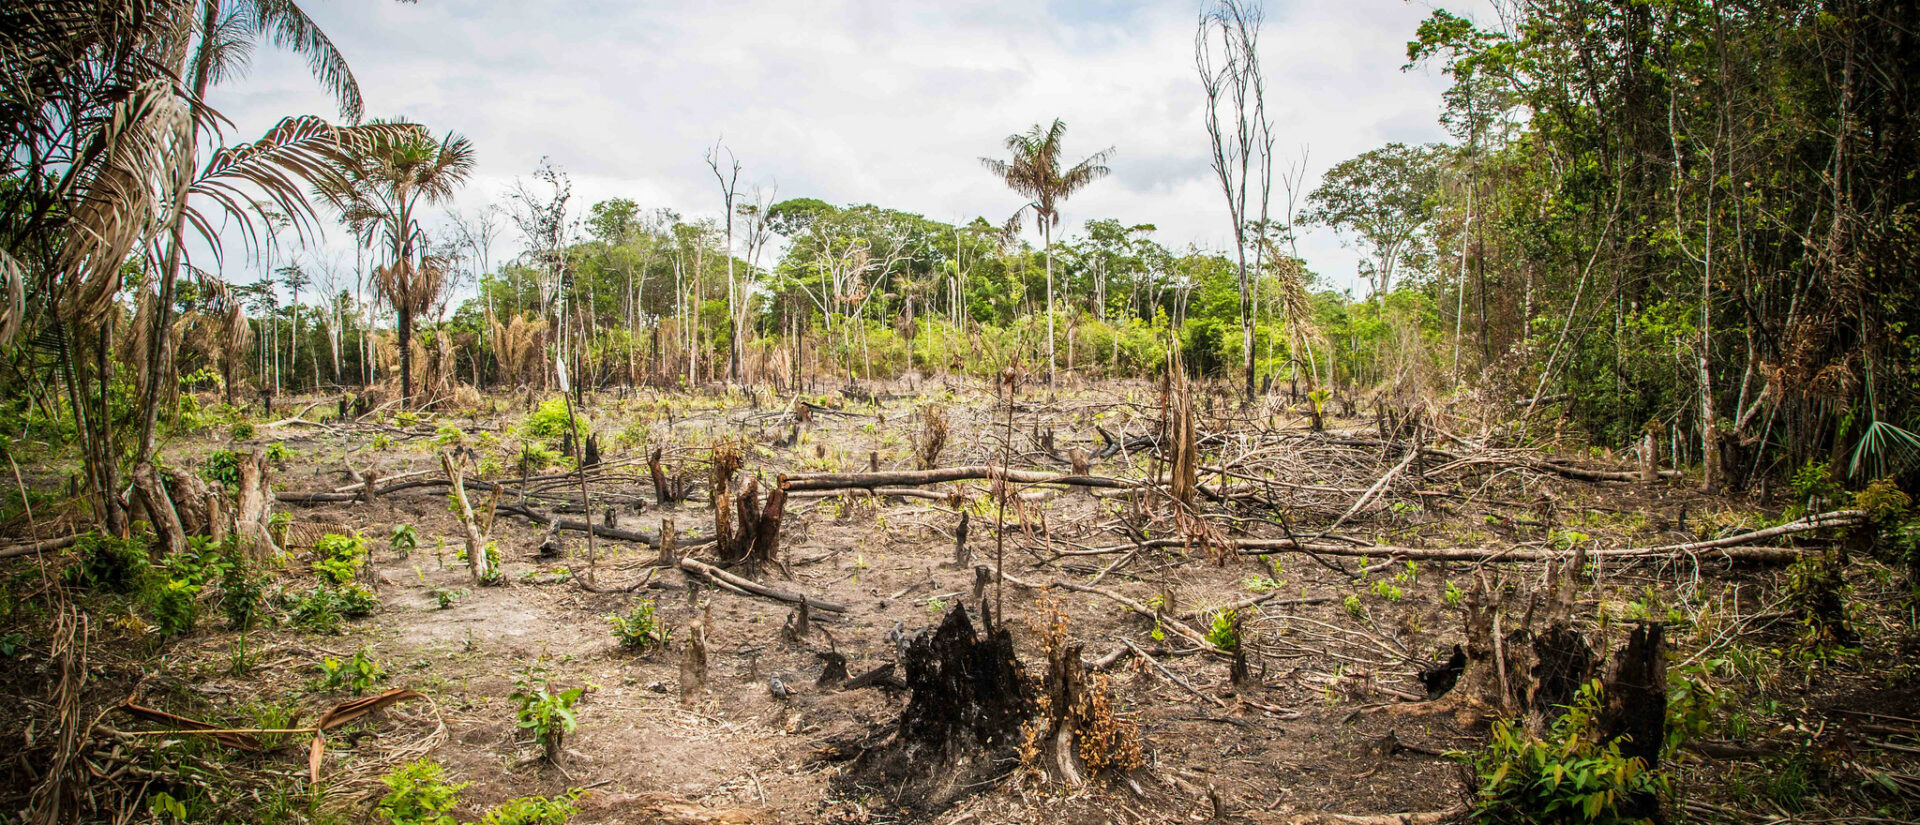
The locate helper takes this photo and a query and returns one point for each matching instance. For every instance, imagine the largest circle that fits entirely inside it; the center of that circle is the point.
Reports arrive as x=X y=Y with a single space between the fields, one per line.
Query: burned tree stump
x=962 y=720
x=961 y=557
x=663 y=493
x=1634 y=712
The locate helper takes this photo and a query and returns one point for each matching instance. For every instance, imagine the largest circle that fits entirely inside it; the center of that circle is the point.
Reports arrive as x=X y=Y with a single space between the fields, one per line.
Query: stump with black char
x=962 y=722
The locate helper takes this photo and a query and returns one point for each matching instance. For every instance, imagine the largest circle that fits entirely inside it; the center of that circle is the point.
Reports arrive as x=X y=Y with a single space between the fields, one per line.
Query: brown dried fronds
x=932 y=437
x=1106 y=740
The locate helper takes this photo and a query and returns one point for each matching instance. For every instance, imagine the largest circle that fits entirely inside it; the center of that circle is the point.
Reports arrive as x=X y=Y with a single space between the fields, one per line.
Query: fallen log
x=911 y=478
x=722 y=577
x=33 y=547
x=1735 y=547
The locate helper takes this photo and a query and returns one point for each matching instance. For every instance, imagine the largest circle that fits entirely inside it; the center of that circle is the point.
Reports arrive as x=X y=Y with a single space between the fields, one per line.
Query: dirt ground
x=1335 y=655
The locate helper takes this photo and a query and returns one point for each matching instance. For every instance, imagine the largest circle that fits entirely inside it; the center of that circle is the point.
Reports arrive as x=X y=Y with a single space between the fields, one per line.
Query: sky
x=857 y=101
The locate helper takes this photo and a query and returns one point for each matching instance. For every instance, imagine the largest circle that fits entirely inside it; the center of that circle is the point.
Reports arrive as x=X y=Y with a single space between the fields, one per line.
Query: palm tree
x=386 y=185
x=1034 y=172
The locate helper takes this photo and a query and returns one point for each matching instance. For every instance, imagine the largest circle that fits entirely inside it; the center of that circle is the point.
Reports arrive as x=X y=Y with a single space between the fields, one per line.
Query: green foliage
x=543 y=711
x=322 y=609
x=1388 y=590
x=1353 y=606
x=222 y=468
x=358 y=674
x=418 y=794
x=241 y=431
x=1453 y=595
x=444 y=597
x=176 y=606
x=1815 y=489
x=534 y=810
x=339 y=558
x=278 y=453
x=449 y=436
x=107 y=563
x=1223 y=629
x=403 y=540
x=549 y=421
x=1568 y=777
x=640 y=630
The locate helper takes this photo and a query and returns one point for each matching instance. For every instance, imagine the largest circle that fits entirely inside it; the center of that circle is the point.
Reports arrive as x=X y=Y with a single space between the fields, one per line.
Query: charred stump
x=962 y=722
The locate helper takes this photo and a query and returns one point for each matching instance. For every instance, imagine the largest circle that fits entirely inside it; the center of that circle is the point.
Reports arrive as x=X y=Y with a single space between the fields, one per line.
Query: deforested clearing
x=1553 y=465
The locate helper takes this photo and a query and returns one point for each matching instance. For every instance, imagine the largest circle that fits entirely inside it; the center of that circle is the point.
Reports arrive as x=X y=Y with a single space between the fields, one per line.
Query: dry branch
x=910 y=478
x=731 y=581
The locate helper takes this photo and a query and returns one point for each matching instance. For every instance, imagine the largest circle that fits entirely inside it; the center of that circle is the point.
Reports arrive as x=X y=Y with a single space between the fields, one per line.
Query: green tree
x=1384 y=197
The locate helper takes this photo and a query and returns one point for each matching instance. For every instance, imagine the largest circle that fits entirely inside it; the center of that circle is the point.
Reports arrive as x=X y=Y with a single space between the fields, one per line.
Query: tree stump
x=962 y=720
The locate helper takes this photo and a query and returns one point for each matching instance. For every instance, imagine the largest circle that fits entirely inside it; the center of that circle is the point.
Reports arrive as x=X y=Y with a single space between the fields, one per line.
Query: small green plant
x=544 y=712
x=380 y=442
x=1453 y=595
x=175 y=606
x=1263 y=584
x=1223 y=629
x=339 y=558
x=449 y=436
x=357 y=674
x=936 y=607
x=533 y=810
x=403 y=540
x=1567 y=777
x=1388 y=590
x=222 y=468
x=278 y=453
x=418 y=794
x=1353 y=606
x=445 y=597
x=640 y=630
x=241 y=431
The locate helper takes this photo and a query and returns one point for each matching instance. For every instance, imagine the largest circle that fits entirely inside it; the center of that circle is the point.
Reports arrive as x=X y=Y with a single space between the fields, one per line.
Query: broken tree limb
x=908 y=478
x=722 y=577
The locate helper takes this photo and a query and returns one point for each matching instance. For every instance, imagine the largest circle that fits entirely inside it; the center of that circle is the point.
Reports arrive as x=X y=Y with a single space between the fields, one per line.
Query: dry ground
x=1317 y=732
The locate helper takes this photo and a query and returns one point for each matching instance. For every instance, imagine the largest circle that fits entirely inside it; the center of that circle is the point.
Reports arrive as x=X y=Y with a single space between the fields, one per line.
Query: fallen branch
x=35 y=547
x=911 y=478
x=733 y=582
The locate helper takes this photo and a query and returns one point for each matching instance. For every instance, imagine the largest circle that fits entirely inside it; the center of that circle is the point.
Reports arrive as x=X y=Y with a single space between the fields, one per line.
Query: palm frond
x=293 y=30
x=1885 y=449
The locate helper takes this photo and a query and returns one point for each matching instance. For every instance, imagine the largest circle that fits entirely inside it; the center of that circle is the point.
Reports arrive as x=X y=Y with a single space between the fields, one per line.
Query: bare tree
x=729 y=186
x=1227 y=55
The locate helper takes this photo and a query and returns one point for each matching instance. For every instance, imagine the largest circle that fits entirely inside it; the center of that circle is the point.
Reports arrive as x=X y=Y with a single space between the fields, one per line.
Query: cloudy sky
x=858 y=101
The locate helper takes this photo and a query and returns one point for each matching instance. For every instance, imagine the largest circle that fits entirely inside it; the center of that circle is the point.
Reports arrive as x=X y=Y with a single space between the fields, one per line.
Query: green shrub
x=1223 y=630
x=640 y=630
x=449 y=436
x=175 y=604
x=278 y=453
x=1569 y=777
x=108 y=563
x=241 y=431
x=533 y=810
x=418 y=794
x=445 y=597
x=340 y=558
x=222 y=468
x=549 y=421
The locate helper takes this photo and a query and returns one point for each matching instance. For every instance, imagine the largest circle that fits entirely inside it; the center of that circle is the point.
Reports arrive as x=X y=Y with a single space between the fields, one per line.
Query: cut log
x=255 y=506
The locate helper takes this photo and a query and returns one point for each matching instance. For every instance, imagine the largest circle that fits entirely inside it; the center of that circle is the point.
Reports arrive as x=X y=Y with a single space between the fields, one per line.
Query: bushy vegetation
x=1566 y=777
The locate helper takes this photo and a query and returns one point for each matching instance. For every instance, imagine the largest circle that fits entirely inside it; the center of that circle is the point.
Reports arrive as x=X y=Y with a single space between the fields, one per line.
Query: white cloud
x=856 y=101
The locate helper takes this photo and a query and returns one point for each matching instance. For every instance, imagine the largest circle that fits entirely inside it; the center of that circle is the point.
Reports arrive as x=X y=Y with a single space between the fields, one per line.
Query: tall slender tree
x=1034 y=172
